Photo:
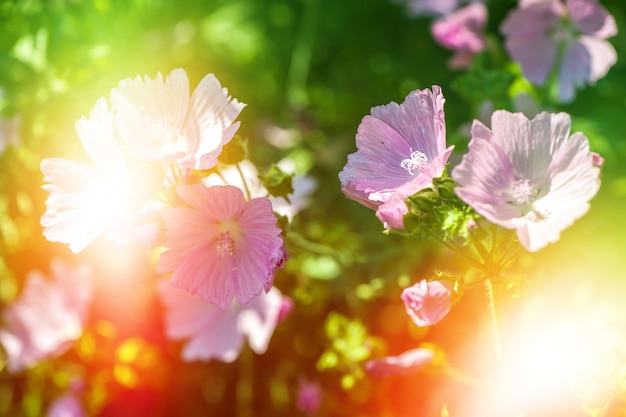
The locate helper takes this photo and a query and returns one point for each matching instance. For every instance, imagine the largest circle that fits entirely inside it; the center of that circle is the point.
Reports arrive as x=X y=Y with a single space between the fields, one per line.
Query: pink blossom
x=309 y=397
x=67 y=405
x=48 y=316
x=221 y=247
x=406 y=363
x=85 y=200
x=161 y=122
x=542 y=33
x=401 y=148
x=213 y=333
x=531 y=176
x=427 y=302
x=462 y=31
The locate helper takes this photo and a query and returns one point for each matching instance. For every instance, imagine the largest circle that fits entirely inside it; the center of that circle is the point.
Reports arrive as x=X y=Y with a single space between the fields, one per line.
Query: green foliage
x=439 y=213
x=351 y=346
x=277 y=182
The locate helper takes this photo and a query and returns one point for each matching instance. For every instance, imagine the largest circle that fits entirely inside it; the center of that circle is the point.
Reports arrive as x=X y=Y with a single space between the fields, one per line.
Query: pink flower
x=85 y=200
x=530 y=176
x=462 y=31
x=212 y=333
x=47 y=317
x=404 y=364
x=67 y=405
x=221 y=247
x=427 y=302
x=309 y=397
x=160 y=122
x=541 y=33
x=401 y=148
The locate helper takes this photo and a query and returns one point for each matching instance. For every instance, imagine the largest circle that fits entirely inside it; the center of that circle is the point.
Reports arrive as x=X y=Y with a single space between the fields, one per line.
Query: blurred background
x=308 y=70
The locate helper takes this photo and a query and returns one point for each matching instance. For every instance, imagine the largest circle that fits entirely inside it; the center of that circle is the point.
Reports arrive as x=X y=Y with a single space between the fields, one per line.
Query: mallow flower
x=220 y=246
x=400 y=149
x=159 y=121
x=427 y=302
x=213 y=333
x=47 y=317
x=463 y=32
x=86 y=199
x=543 y=33
x=528 y=175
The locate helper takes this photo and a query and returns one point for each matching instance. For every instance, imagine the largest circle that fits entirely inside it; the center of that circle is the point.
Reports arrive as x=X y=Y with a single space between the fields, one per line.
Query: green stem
x=245 y=183
x=458 y=251
x=245 y=383
x=495 y=329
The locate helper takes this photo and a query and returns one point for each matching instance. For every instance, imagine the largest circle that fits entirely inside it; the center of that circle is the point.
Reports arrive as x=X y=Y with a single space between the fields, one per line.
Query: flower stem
x=245 y=183
x=245 y=383
x=495 y=330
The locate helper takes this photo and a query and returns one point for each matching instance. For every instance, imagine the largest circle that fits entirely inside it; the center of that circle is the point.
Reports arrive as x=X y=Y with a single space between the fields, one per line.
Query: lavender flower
x=541 y=33
x=528 y=175
x=401 y=148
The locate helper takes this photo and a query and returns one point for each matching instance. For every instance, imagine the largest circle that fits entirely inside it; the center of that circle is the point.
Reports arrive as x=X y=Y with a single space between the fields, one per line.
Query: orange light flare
x=561 y=354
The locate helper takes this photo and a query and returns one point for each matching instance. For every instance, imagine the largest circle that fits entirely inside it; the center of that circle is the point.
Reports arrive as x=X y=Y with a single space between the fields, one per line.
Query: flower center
x=416 y=161
x=169 y=135
x=225 y=245
x=524 y=192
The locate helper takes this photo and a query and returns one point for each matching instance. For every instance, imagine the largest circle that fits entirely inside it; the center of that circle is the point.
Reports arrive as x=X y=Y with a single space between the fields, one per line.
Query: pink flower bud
x=427 y=302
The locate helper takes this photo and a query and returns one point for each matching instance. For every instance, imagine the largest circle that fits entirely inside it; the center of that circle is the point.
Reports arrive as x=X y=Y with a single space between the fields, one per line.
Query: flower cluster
x=530 y=176
x=154 y=153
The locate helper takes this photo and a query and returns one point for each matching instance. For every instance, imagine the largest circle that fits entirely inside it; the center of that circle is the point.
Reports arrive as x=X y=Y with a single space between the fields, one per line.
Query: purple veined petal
x=406 y=363
x=591 y=18
x=377 y=163
x=419 y=120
